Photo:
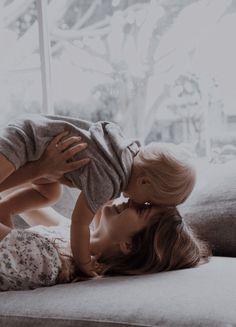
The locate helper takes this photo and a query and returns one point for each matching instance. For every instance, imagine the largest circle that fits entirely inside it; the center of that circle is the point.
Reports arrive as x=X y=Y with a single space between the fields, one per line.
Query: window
x=164 y=70
x=20 y=80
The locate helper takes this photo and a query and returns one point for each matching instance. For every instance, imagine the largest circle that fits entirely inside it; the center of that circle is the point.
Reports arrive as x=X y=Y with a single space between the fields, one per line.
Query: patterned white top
x=32 y=257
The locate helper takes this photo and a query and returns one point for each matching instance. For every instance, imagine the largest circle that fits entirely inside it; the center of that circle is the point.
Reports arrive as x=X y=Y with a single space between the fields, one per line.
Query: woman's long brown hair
x=168 y=243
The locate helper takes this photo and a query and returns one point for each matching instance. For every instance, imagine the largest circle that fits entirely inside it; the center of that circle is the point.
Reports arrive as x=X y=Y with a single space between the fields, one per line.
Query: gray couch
x=203 y=296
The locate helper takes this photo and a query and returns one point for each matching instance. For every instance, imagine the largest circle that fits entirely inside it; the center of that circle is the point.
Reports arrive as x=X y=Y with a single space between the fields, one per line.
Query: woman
x=127 y=239
x=161 y=174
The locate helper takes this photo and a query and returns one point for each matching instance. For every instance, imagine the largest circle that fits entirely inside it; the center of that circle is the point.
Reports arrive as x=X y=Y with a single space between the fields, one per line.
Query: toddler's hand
x=92 y=268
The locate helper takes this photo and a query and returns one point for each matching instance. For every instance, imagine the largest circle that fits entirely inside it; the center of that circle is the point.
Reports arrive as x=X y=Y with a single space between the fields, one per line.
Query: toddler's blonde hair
x=170 y=170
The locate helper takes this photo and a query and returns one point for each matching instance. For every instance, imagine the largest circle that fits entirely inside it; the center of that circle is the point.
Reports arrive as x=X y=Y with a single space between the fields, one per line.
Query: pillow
x=211 y=208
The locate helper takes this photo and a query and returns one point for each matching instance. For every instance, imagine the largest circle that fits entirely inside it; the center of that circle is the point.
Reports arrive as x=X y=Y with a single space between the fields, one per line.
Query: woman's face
x=124 y=220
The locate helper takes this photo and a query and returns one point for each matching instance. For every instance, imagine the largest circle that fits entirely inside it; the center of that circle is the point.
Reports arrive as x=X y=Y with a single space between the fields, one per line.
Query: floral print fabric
x=28 y=260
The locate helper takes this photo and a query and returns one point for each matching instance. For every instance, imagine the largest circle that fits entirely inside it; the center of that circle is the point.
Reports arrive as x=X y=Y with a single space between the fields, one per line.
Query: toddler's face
x=138 y=196
x=139 y=190
x=141 y=197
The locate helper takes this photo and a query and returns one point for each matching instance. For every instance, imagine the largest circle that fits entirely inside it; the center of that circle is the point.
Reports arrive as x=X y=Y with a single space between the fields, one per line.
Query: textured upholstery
x=211 y=208
x=203 y=296
x=198 y=297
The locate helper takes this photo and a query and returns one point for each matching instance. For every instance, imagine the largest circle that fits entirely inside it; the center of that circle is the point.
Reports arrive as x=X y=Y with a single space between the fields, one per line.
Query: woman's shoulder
x=35 y=256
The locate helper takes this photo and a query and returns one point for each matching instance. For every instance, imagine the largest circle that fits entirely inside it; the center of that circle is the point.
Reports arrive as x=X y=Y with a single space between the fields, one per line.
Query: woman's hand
x=58 y=157
x=53 y=164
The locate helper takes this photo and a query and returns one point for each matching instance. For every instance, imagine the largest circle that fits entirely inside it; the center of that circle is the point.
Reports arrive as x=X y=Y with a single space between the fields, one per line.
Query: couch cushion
x=203 y=296
x=211 y=208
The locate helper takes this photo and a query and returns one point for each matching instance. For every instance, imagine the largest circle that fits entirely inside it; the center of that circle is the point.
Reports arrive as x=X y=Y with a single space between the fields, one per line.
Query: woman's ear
x=125 y=247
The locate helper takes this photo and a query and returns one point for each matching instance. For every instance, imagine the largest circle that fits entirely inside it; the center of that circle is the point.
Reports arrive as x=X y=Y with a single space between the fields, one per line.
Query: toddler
x=160 y=174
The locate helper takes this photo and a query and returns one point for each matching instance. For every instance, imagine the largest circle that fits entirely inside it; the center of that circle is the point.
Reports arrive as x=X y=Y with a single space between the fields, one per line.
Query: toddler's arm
x=80 y=236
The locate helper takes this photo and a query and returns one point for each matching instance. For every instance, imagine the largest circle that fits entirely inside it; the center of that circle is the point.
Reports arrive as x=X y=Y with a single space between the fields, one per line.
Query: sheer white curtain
x=164 y=70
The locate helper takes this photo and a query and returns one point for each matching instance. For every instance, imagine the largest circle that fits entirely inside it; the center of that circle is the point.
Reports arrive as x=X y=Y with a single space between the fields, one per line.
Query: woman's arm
x=53 y=164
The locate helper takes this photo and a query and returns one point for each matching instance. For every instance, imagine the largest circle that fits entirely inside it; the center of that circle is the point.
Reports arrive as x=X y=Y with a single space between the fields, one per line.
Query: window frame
x=45 y=56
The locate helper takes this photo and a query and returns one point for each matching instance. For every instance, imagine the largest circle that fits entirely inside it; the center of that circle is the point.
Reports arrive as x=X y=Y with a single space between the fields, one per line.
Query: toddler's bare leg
x=6 y=168
x=50 y=191
x=24 y=199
